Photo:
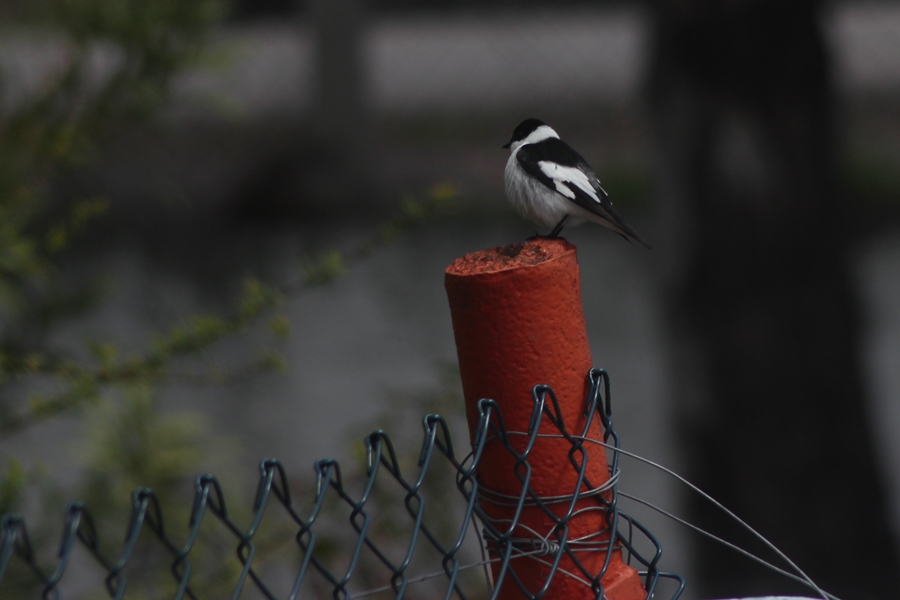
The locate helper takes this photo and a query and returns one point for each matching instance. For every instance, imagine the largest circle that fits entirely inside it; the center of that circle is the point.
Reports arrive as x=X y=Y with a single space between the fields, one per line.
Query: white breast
x=531 y=198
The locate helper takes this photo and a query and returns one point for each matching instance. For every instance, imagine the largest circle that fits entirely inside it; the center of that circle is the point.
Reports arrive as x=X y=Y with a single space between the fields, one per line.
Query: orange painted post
x=518 y=322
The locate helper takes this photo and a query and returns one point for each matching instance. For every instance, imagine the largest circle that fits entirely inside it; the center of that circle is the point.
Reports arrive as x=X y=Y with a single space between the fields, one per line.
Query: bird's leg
x=559 y=227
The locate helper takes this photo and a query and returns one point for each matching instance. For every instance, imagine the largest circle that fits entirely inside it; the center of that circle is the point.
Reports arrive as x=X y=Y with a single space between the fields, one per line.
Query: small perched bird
x=548 y=182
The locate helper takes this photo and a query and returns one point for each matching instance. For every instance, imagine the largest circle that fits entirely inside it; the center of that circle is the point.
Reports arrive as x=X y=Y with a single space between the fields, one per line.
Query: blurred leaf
x=280 y=326
x=324 y=269
x=11 y=485
x=133 y=445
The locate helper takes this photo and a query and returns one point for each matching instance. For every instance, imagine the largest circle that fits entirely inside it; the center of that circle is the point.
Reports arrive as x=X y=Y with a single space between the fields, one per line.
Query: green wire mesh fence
x=368 y=564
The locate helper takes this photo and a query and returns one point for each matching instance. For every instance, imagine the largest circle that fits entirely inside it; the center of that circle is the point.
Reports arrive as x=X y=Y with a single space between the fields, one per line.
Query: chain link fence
x=435 y=552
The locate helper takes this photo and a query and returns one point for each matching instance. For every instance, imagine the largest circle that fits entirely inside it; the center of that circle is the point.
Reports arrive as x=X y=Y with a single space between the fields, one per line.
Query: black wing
x=556 y=151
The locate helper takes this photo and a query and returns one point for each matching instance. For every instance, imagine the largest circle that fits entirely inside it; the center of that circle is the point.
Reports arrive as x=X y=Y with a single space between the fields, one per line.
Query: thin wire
x=801 y=576
x=421 y=578
x=549 y=546
x=529 y=501
x=734 y=547
x=533 y=554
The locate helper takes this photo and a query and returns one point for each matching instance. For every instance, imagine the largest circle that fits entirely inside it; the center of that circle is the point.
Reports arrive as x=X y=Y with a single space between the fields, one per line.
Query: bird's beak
x=507 y=144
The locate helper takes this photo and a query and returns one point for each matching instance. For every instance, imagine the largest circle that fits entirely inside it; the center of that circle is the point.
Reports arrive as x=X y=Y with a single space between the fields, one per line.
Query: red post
x=518 y=322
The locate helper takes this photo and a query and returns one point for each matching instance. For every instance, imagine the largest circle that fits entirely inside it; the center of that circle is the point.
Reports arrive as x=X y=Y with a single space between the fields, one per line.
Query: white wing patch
x=564 y=176
x=563 y=189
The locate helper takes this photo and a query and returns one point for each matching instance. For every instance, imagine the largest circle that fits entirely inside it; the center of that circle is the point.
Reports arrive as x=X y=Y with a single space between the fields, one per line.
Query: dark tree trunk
x=341 y=129
x=760 y=295
x=340 y=72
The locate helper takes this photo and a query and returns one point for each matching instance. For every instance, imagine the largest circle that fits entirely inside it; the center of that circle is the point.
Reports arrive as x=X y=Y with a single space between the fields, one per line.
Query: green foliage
x=58 y=127
x=121 y=433
x=45 y=134
x=80 y=384
x=133 y=445
x=12 y=485
x=413 y=213
x=55 y=130
x=43 y=138
x=60 y=233
x=280 y=326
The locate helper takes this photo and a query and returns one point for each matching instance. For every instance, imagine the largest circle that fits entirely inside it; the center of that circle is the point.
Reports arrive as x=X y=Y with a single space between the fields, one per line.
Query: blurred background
x=224 y=225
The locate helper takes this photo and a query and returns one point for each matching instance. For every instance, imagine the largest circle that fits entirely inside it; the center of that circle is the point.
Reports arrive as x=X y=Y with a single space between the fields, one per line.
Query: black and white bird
x=549 y=182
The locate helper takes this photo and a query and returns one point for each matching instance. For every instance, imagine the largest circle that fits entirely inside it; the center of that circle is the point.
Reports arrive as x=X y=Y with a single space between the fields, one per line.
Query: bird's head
x=529 y=131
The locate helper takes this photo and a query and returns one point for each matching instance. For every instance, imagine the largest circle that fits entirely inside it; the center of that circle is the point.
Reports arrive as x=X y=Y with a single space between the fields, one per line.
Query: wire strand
x=800 y=576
